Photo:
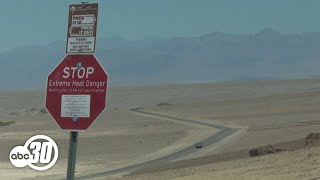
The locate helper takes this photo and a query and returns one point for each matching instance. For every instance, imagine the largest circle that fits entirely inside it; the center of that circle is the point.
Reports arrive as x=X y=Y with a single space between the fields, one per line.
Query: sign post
x=77 y=86
x=72 y=154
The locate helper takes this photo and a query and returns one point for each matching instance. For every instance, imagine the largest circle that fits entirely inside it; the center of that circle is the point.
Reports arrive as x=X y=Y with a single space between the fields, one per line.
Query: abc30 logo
x=40 y=153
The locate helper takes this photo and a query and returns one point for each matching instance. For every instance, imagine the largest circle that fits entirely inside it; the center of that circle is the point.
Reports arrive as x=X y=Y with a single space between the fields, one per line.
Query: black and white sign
x=82 y=27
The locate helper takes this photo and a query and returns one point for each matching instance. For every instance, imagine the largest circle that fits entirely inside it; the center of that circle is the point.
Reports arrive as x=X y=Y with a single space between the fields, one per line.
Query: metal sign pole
x=72 y=155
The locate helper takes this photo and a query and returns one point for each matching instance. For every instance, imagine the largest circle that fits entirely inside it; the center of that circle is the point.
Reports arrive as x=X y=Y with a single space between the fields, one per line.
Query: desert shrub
x=43 y=111
x=312 y=139
x=6 y=123
x=269 y=149
x=163 y=104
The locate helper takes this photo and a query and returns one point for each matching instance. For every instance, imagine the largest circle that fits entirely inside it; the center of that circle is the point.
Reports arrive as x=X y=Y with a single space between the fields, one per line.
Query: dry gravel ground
x=266 y=112
x=299 y=164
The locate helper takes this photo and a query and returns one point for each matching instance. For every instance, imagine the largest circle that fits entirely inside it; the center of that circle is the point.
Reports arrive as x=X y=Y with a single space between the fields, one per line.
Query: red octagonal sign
x=76 y=92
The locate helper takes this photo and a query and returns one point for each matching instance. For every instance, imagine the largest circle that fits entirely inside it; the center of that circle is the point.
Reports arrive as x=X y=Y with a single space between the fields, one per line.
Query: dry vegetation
x=6 y=123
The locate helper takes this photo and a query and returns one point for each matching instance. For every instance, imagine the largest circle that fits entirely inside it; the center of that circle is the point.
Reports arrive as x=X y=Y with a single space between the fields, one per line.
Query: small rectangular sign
x=75 y=105
x=82 y=28
x=85 y=43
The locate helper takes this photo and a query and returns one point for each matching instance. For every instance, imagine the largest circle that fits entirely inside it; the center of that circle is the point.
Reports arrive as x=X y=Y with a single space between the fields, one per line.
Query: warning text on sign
x=81 y=44
x=75 y=105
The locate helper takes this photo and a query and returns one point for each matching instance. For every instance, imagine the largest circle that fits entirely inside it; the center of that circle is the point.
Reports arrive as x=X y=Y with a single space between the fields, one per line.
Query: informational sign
x=82 y=28
x=76 y=91
x=78 y=105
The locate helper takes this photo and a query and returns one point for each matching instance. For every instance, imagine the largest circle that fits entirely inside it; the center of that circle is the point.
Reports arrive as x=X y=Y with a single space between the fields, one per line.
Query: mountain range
x=213 y=57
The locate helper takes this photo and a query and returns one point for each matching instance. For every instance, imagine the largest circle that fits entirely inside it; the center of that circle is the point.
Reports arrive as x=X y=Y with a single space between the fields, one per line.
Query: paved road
x=224 y=132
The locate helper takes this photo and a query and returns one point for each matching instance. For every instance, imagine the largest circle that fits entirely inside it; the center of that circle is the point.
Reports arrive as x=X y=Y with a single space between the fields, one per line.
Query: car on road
x=199 y=145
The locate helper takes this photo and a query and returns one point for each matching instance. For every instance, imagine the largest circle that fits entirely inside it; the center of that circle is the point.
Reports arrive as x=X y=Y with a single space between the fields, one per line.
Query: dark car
x=199 y=145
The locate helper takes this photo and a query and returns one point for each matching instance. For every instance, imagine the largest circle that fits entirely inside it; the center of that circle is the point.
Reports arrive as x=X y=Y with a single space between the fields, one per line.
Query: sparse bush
x=312 y=139
x=43 y=111
x=30 y=110
x=269 y=149
x=163 y=104
x=7 y=123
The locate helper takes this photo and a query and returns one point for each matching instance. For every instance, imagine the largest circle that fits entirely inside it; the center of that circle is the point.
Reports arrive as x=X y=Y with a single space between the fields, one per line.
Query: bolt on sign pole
x=72 y=155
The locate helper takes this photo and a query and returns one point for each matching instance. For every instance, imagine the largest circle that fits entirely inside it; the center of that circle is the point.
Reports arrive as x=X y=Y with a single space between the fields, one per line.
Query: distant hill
x=213 y=57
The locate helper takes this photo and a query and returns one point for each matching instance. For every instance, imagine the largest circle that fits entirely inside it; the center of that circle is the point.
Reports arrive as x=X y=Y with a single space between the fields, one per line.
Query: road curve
x=224 y=132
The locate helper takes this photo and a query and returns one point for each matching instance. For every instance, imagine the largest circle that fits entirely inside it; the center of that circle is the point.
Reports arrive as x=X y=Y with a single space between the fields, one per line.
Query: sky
x=40 y=22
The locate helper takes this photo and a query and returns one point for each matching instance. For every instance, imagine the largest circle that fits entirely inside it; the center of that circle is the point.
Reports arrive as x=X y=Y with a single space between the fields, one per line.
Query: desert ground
x=149 y=132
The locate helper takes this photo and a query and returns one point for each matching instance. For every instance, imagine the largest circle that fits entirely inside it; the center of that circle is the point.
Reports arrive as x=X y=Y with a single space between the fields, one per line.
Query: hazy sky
x=33 y=22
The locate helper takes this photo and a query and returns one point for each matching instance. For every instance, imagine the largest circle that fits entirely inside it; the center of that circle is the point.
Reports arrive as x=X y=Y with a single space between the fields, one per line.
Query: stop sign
x=76 y=92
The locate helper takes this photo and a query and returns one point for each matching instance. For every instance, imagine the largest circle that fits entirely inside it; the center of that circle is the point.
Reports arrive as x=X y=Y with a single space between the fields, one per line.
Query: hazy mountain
x=267 y=54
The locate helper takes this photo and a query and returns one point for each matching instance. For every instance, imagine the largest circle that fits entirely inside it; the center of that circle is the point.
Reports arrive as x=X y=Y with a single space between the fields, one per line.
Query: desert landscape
x=175 y=90
x=150 y=132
